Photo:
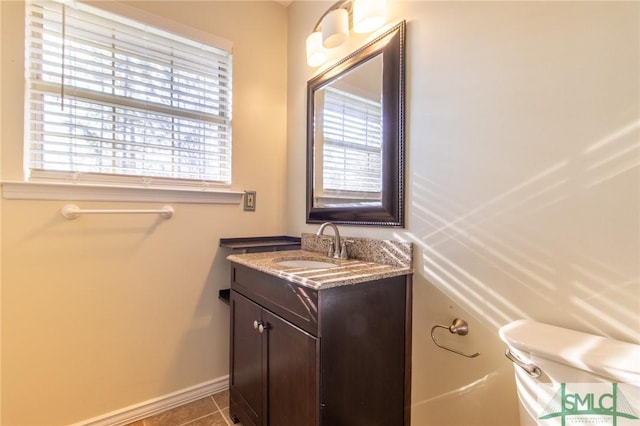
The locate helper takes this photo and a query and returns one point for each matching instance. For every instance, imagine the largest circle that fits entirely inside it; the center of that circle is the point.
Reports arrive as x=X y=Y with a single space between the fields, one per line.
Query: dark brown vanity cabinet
x=332 y=357
x=274 y=368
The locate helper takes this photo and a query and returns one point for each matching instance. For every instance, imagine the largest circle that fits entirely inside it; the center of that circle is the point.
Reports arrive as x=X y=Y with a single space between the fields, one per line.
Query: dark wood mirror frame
x=391 y=46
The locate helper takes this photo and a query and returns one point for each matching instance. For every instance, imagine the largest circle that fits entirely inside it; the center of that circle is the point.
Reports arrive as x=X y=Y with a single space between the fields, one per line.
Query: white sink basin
x=305 y=263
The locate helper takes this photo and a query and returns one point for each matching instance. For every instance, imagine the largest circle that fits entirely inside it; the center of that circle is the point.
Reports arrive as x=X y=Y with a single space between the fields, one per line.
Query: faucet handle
x=331 y=250
x=343 y=252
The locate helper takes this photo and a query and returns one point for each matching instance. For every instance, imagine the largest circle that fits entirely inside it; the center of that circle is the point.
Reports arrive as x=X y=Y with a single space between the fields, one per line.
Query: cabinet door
x=292 y=374
x=246 y=387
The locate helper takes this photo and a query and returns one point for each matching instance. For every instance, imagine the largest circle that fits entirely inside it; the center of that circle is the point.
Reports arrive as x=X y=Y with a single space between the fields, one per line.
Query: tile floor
x=209 y=411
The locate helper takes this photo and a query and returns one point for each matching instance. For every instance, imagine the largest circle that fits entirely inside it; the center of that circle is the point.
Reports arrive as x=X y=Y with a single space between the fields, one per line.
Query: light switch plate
x=250 y=201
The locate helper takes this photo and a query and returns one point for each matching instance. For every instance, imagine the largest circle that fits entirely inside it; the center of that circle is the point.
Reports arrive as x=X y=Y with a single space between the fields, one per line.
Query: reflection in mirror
x=348 y=138
x=355 y=136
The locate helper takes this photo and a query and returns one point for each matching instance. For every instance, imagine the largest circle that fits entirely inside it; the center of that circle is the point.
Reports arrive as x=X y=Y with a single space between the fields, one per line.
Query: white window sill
x=83 y=192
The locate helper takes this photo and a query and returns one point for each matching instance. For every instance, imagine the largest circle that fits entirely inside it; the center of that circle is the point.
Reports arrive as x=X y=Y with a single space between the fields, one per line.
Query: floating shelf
x=225 y=295
x=259 y=244
x=256 y=245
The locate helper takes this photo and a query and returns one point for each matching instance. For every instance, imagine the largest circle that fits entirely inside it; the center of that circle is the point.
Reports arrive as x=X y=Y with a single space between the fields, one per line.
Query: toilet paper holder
x=459 y=327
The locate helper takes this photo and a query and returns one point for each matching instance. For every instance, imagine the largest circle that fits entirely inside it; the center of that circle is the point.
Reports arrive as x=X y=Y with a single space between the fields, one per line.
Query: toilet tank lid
x=613 y=359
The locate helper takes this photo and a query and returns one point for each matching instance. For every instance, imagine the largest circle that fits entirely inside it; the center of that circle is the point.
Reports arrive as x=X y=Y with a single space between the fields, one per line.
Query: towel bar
x=71 y=211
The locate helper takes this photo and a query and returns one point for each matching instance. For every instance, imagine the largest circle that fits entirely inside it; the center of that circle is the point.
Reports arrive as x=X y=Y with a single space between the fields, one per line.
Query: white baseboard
x=153 y=406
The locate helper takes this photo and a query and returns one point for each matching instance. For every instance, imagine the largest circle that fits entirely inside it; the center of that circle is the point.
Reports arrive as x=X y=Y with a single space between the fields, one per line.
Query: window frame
x=45 y=185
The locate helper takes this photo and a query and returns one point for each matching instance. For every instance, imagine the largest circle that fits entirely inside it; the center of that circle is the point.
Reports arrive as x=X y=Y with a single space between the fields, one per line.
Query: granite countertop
x=350 y=271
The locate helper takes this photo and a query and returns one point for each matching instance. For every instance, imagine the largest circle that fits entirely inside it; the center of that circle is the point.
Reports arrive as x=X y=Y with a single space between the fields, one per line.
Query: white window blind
x=113 y=100
x=352 y=150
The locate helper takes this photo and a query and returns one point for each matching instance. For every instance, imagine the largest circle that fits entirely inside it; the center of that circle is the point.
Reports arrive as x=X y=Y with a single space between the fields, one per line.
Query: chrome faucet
x=336 y=242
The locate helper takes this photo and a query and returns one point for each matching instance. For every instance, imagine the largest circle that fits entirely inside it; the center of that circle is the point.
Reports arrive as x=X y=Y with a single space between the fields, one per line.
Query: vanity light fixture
x=369 y=15
x=332 y=29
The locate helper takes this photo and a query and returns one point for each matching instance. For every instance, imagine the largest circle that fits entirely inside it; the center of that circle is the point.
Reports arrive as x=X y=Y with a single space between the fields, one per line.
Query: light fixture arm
x=340 y=4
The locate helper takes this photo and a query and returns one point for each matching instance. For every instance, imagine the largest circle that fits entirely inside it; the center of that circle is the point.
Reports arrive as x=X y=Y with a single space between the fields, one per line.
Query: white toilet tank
x=582 y=379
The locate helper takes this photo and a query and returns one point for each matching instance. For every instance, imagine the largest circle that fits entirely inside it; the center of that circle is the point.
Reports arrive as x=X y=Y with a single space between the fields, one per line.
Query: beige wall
x=1 y=86
x=523 y=190
x=522 y=197
x=105 y=312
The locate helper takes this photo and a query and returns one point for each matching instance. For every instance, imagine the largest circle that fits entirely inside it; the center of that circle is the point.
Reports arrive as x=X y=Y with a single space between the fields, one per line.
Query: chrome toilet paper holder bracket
x=459 y=327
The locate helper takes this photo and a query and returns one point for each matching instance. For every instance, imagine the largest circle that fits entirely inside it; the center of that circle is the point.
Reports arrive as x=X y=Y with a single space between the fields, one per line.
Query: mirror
x=355 y=136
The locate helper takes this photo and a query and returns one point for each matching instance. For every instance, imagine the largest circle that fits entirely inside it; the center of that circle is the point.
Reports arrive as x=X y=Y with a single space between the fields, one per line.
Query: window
x=352 y=145
x=111 y=100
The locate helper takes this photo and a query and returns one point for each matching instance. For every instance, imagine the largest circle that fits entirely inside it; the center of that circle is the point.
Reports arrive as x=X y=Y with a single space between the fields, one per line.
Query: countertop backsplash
x=386 y=252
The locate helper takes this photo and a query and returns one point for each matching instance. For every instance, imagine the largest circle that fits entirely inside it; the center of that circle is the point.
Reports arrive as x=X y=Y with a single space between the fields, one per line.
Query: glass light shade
x=335 y=28
x=369 y=15
x=316 y=54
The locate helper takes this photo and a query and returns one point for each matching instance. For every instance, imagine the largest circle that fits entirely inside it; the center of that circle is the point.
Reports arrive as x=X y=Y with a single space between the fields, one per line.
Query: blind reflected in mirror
x=348 y=138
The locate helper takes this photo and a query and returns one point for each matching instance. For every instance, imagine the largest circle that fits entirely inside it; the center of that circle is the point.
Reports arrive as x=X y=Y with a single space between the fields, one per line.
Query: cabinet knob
x=259 y=325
